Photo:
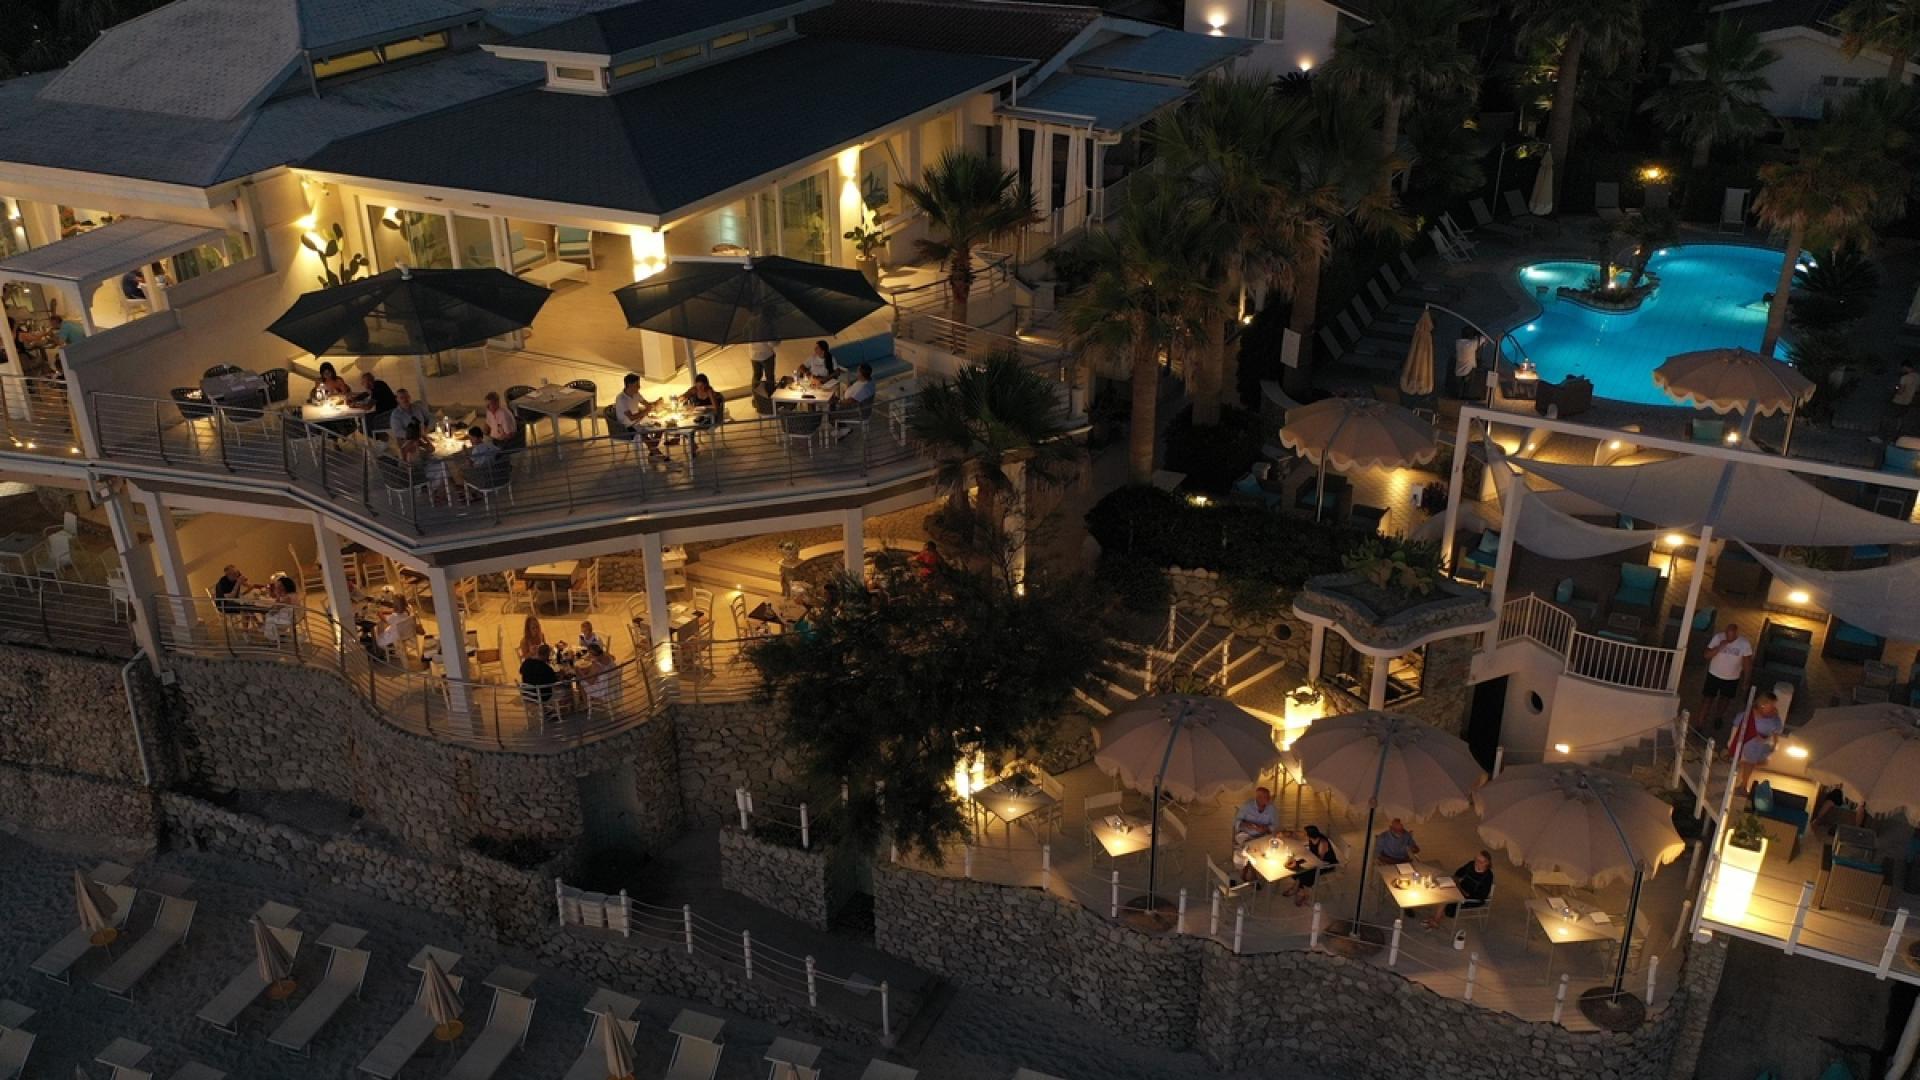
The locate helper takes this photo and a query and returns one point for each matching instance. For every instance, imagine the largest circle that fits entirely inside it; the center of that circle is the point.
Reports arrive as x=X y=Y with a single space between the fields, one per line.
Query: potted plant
x=868 y=238
x=1747 y=833
x=348 y=269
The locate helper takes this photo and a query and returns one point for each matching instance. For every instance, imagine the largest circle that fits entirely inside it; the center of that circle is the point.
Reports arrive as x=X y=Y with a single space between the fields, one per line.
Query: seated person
x=482 y=452
x=1475 y=879
x=1320 y=846
x=413 y=447
x=285 y=609
x=375 y=393
x=629 y=406
x=1396 y=845
x=133 y=285
x=400 y=625
x=330 y=384
x=537 y=677
x=702 y=395
x=588 y=638
x=594 y=670
x=61 y=333
x=1256 y=818
x=228 y=593
x=819 y=365
x=406 y=412
x=499 y=420
x=926 y=561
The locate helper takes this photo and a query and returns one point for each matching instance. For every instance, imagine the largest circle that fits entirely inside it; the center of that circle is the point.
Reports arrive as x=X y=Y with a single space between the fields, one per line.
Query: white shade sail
x=1551 y=532
x=1871 y=751
x=1732 y=380
x=1592 y=825
x=1407 y=769
x=1881 y=599
x=1216 y=746
x=1358 y=433
x=1763 y=505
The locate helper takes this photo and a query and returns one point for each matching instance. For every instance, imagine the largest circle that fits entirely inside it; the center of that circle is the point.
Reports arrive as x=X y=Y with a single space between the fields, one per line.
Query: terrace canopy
x=81 y=264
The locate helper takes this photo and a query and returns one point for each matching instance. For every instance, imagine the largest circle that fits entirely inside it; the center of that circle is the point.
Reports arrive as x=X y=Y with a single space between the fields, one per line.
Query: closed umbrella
x=1356 y=433
x=442 y=1002
x=617 y=1046
x=1592 y=825
x=406 y=312
x=272 y=961
x=1416 y=375
x=1390 y=762
x=1542 y=202
x=97 y=910
x=1728 y=379
x=1186 y=746
x=1871 y=752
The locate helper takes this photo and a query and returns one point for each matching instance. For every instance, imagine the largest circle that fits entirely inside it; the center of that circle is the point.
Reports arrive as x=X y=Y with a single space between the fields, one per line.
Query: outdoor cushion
x=1868 y=865
x=1763 y=797
x=1709 y=431
x=1901 y=460
x=1703 y=620
x=1563 y=592
x=1854 y=635
x=1627 y=596
x=1639 y=577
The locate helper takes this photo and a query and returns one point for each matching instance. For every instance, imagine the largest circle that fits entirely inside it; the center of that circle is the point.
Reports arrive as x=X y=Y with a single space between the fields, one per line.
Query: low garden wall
x=798 y=884
x=1313 y=1010
x=56 y=801
x=720 y=748
x=69 y=713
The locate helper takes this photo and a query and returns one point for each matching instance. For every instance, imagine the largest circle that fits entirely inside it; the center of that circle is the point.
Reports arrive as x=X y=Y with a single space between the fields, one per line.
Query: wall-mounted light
x=1796 y=751
x=1674 y=539
x=1733 y=438
x=1614 y=445
x=1562 y=748
x=1217 y=22
x=1799 y=597
x=1306 y=64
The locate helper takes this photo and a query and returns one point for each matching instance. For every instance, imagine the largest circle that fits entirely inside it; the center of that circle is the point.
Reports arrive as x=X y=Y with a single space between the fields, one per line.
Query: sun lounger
x=1445 y=247
x=1733 y=210
x=169 y=929
x=887 y=1070
x=346 y=973
x=1606 y=201
x=791 y=1059
x=1483 y=219
x=1415 y=291
x=1517 y=209
x=404 y=1038
x=59 y=959
x=507 y=1022
x=125 y=1057
x=592 y=1062
x=1461 y=242
x=15 y=1047
x=193 y=1070
x=696 y=1047
x=246 y=986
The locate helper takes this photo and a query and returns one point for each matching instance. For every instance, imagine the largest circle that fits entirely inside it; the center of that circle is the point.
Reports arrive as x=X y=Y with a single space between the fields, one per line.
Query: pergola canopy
x=102 y=254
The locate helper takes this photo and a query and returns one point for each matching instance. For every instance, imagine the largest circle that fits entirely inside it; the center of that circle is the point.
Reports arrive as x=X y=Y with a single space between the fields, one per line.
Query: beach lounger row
x=16 y=1043
x=59 y=960
x=128 y=1061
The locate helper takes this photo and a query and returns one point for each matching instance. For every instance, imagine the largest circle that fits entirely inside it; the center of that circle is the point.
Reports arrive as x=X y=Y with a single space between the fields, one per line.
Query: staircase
x=1189 y=654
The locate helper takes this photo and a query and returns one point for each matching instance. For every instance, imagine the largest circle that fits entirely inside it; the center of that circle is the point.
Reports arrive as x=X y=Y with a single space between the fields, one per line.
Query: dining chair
x=519 y=594
x=737 y=605
x=582 y=414
x=703 y=604
x=494 y=481
x=581 y=588
x=488 y=658
x=1229 y=886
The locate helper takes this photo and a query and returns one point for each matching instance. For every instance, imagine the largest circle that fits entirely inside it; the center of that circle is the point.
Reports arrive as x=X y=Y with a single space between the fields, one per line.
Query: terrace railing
x=36 y=417
x=50 y=613
x=1588 y=656
x=552 y=478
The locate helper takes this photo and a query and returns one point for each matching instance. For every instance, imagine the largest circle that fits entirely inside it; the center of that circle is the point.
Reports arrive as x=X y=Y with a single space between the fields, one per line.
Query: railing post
x=805 y=843
x=740 y=804
x=1653 y=975
x=886 y=1015
x=746 y=951
x=1892 y=946
x=1239 y=927
x=1313 y=934
x=626 y=912
x=1560 y=998
x=686 y=925
x=220 y=436
x=966 y=859
x=1180 y=921
x=1393 y=946
x=560 y=901
x=1114 y=881
x=1046 y=866
x=1473 y=973
x=1213 y=920
x=1680 y=927
x=813 y=990
x=1499 y=760
x=1799 y=917
x=1706 y=773
x=1680 y=725
x=46 y=630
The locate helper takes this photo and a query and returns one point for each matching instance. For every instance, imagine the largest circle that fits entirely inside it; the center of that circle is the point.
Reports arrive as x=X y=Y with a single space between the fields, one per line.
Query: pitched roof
x=615 y=30
x=1168 y=54
x=1027 y=31
x=1112 y=104
x=215 y=59
x=659 y=147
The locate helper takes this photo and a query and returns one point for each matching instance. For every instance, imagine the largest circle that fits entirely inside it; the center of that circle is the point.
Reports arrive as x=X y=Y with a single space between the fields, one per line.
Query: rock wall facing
x=52 y=801
x=722 y=747
x=70 y=713
x=1281 y=633
x=795 y=883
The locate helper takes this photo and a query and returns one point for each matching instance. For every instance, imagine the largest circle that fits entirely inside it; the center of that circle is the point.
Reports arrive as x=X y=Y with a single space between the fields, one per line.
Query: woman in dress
x=531 y=638
x=1320 y=847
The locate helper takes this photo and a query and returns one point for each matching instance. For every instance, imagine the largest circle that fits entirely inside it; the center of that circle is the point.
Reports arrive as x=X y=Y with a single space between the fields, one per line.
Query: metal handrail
x=36 y=416
x=49 y=612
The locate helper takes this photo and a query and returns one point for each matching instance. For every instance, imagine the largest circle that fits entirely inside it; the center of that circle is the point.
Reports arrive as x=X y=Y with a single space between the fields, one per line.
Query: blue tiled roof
x=635 y=25
x=1170 y=54
x=1114 y=104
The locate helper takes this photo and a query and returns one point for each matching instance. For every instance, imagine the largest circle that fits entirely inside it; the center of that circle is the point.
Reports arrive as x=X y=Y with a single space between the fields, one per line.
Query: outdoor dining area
x=1374 y=835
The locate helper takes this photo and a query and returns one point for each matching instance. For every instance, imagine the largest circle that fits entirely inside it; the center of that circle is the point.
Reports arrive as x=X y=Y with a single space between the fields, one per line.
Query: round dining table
x=335 y=412
x=804 y=395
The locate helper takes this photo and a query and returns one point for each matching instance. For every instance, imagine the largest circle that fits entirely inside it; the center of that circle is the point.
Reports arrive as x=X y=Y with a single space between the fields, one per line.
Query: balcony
x=580 y=480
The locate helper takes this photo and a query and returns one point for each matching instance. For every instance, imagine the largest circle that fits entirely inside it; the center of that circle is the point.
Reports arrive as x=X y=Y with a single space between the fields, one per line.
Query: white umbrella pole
x=1320 y=489
x=1786 y=444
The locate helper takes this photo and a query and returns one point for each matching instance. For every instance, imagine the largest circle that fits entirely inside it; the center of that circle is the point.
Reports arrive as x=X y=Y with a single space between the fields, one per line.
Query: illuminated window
x=728 y=41
x=340 y=65
x=678 y=55
x=1267 y=19
x=577 y=74
x=635 y=67
x=425 y=43
x=770 y=28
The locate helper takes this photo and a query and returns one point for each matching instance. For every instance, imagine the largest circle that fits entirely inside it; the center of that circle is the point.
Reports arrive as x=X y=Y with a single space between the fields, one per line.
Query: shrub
x=1240 y=542
x=1214 y=457
x=1138 y=583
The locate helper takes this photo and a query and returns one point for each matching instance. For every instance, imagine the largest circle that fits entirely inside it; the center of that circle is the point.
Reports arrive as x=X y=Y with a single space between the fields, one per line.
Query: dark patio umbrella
x=730 y=303
x=406 y=312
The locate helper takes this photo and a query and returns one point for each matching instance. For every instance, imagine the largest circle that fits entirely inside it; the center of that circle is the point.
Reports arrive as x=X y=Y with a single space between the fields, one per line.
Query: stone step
x=1240 y=682
x=1091 y=702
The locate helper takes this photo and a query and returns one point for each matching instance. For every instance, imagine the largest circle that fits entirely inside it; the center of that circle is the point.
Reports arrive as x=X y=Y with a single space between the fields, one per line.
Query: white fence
x=1593 y=657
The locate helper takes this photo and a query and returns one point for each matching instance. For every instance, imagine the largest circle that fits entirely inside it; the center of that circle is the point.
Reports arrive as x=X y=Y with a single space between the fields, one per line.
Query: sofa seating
x=1852 y=886
x=1637 y=591
x=1782 y=654
x=1486 y=553
x=1846 y=641
x=1784 y=817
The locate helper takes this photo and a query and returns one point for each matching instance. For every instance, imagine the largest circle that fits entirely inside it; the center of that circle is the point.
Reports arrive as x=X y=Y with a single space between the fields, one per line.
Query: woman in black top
x=1475 y=880
x=1320 y=847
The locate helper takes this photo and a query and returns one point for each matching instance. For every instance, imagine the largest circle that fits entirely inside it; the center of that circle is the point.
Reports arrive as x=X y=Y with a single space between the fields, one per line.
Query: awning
x=1169 y=54
x=107 y=252
x=1555 y=534
x=1884 y=600
x=1110 y=105
x=1763 y=505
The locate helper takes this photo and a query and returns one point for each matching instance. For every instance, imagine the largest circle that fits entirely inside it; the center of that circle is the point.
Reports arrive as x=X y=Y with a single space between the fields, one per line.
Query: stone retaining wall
x=69 y=713
x=1204 y=593
x=722 y=747
x=49 y=800
x=1315 y=1010
x=795 y=883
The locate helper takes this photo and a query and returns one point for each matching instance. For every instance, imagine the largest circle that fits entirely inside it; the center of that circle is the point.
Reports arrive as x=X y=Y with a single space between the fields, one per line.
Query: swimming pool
x=1709 y=297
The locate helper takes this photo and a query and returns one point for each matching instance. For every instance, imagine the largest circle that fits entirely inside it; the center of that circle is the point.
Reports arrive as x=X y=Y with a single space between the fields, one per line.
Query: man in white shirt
x=629 y=405
x=1466 y=361
x=1257 y=818
x=1729 y=666
x=406 y=411
x=499 y=420
x=763 y=360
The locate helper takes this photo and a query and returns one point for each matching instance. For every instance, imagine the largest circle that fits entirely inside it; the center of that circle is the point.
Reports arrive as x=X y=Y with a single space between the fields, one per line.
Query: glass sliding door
x=473 y=240
x=803 y=218
x=418 y=239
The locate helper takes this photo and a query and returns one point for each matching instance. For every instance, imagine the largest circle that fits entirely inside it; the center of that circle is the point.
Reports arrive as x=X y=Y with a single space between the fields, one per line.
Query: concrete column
x=855 y=530
x=333 y=568
x=1377 y=692
x=138 y=569
x=1315 y=651
x=1503 y=560
x=453 y=633
x=662 y=630
x=1692 y=605
x=173 y=568
x=1462 y=436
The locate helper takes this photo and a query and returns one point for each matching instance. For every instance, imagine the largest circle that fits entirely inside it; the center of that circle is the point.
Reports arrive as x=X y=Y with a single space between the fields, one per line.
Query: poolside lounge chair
x=169 y=929
x=15 y=1045
x=696 y=1047
x=1606 y=201
x=592 y=1062
x=1483 y=219
x=1518 y=211
x=791 y=1059
x=507 y=1021
x=193 y=1070
x=887 y=1070
x=1413 y=290
x=1391 y=306
x=1458 y=235
x=1445 y=247
x=405 y=1037
x=63 y=954
x=1733 y=210
x=246 y=986
x=346 y=973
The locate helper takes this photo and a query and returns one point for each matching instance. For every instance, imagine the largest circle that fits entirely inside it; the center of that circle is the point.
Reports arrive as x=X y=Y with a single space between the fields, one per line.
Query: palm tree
x=1715 y=93
x=1601 y=30
x=1223 y=145
x=988 y=418
x=1892 y=26
x=1149 y=288
x=1334 y=192
x=1846 y=178
x=1408 y=51
x=969 y=200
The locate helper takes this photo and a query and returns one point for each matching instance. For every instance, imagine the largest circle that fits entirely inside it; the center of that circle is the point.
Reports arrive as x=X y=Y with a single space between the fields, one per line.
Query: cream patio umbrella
x=1416 y=375
x=1542 y=202
x=1726 y=380
x=1394 y=763
x=1187 y=746
x=1592 y=825
x=1871 y=752
x=97 y=910
x=1356 y=433
x=617 y=1046
x=442 y=1002
x=272 y=961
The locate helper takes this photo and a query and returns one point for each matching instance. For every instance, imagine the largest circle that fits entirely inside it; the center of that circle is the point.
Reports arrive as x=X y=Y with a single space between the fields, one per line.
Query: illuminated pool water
x=1709 y=297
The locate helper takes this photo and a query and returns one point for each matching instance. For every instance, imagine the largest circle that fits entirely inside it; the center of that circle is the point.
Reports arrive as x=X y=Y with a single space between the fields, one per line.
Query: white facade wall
x=1306 y=40
x=1807 y=59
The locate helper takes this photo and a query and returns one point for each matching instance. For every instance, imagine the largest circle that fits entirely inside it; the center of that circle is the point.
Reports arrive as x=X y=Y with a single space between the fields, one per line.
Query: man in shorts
x=1729 y=666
